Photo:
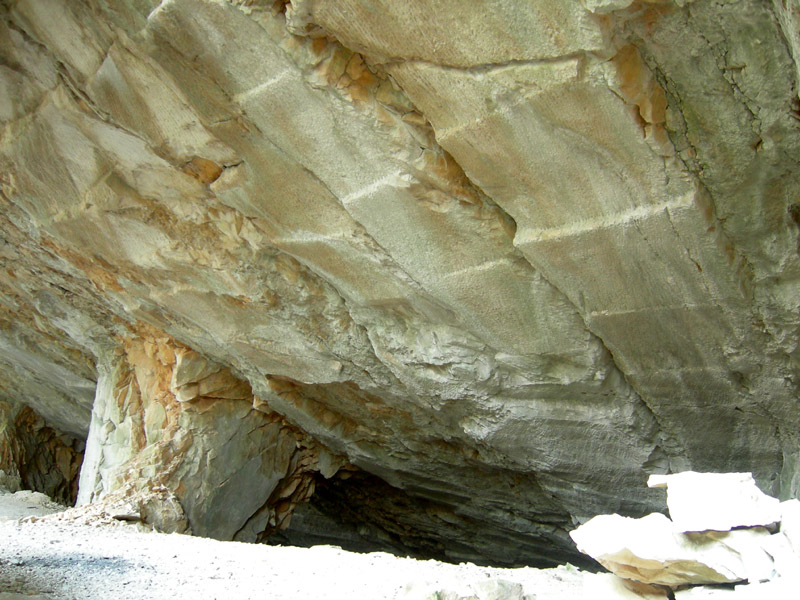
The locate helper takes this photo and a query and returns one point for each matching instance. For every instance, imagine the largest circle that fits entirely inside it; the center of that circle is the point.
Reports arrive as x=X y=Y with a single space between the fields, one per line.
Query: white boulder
x=716 y=501
x=649 y=550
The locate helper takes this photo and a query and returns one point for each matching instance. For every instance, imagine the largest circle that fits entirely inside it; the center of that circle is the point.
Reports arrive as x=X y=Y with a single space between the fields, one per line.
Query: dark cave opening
x=361 y=512
x=37 y=457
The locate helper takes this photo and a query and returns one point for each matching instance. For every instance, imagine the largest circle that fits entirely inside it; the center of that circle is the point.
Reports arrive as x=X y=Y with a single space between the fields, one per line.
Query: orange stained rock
x=204 y=170
x=637 y=85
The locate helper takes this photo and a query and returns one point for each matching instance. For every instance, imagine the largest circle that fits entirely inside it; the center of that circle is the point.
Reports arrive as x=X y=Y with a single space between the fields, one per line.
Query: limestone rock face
x=236 y=469
x=504 y=258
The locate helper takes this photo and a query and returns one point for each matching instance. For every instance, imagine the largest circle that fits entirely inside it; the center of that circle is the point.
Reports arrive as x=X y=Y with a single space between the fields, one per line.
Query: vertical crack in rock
x=745 y=71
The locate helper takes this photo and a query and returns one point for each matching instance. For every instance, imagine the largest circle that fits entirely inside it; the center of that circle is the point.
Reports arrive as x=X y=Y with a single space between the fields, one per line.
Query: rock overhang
x=515 y=271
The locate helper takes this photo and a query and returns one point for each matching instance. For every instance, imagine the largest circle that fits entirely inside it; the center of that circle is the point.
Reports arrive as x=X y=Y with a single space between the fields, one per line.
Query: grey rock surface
x=507 y=258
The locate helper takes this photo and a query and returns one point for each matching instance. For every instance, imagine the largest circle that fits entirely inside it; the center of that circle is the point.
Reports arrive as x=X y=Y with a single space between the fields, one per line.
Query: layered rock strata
x=506 y=258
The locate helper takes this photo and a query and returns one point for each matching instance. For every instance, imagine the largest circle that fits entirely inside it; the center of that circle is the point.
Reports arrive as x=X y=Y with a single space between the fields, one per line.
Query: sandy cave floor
x=63 y=558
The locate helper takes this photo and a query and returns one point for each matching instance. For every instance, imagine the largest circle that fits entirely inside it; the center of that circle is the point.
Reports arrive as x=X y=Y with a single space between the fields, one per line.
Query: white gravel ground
x=25 y=504
x=60 y=558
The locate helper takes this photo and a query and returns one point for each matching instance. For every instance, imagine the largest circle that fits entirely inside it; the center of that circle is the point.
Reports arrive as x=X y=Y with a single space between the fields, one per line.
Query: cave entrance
x=361 y=512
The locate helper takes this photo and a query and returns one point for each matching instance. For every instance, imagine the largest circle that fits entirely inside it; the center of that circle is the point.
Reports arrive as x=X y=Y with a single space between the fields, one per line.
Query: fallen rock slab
x=649 y=550
x=758 y=550
x=716 y=501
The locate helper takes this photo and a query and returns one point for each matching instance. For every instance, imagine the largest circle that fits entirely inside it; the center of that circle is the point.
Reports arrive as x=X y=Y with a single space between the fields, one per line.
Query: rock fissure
x=745 y=270
x=750 y=273
x=487 y=68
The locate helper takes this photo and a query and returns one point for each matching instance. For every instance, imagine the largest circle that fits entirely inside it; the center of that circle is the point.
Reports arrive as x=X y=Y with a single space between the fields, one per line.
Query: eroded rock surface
x=235 y=468
x=507 y=258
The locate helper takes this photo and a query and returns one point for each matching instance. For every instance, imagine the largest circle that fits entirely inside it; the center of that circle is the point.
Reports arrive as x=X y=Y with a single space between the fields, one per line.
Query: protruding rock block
x=650 y=551
x=196 y=377
x=175 y=436
x=716 y=501
x=716 y=548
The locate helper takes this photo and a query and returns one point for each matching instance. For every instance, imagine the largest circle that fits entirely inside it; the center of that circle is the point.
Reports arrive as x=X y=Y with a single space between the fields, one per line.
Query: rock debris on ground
x=57 y=558
x=96 y=551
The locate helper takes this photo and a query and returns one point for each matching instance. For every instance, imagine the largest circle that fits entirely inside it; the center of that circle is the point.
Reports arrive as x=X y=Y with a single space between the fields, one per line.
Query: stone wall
x=166 y=420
